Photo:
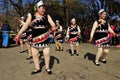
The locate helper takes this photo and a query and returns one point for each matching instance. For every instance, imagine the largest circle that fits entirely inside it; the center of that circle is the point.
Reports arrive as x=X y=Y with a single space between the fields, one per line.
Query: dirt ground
x=14 y=66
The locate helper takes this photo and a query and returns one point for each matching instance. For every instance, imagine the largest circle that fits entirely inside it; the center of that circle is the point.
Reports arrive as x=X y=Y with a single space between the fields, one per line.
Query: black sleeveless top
x=40 y=31
x=101 y=31
x=73 y=36
x=103 y=27
x=73 y=29
x=38 y=23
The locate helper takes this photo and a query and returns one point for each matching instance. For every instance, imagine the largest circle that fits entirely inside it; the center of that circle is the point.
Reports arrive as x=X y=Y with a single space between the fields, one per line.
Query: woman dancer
x=23 y=38
x=100 y=31
x=58 y=36
x=40 y=35
x=73 y=34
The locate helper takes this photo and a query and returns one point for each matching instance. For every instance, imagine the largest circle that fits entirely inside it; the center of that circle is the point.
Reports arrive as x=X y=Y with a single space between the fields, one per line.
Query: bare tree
x=19 y=6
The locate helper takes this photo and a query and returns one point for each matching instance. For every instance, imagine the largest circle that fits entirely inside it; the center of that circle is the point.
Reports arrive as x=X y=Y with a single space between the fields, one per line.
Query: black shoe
x=48 y=71
x=72 y=54
x=85 y=56
x=5 y=46
x=21 y=51
x=57 y=49
x=60 y=49
x=29 y=58
x=96 y=63
x=35 y=72
x=77 y=54
x=103 y=61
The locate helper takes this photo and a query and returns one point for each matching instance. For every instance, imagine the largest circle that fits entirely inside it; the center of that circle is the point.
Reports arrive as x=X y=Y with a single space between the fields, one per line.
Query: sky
x=25 y=1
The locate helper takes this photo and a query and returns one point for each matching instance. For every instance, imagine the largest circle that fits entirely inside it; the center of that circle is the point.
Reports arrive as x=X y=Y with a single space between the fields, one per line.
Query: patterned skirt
x=41 y=40
x=74 y=38
x=102 y=40
x=58 y=37
x=26 y=36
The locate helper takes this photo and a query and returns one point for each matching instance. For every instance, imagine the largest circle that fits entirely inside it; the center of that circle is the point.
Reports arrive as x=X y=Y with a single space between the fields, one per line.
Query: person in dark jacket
x=0 y=36
x=5 y=33
x=117 y=30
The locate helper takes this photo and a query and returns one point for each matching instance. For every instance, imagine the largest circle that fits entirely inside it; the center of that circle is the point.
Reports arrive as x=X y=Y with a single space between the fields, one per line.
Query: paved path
x=14 y=66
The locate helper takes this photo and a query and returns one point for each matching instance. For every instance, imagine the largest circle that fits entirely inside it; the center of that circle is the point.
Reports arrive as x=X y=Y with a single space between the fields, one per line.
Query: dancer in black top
x=23 y=35
x=40 y=35
x=58 y=36
x=73 y=34
x=101 y=37
x=23 y=38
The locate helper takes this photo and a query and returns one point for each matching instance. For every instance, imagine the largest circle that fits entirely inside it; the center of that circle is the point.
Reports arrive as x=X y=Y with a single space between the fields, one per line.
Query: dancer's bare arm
x=93 y=31
x=25 y=26
x=27 y=23
x=51 y=22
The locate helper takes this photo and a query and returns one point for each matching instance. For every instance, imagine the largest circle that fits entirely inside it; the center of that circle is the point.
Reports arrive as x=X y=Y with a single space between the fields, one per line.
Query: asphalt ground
x=14 y=66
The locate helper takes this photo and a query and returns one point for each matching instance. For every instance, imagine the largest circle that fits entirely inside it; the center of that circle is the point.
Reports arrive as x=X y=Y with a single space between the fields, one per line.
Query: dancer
x=100 y=32
x=23 y=38
x=58 y=36
x=40 y=35
x=73 y=34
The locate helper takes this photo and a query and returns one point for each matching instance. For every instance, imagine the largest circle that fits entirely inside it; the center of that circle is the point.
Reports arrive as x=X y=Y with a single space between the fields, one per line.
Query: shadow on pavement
x=70 y=52
x=11 y=46
x=89 y=56
x=52 y=60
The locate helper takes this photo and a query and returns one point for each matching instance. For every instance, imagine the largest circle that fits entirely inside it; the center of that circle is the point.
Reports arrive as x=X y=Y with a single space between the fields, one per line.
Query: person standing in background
x=21 y=39
x=5 y=33
x=24 y=38
x=0 y=36
x=86 y=33
x=113 y=27
x=117 y=30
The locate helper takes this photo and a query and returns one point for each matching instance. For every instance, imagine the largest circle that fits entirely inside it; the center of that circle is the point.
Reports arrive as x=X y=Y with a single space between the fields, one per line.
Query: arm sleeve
x=27 y=23
x=93 y=29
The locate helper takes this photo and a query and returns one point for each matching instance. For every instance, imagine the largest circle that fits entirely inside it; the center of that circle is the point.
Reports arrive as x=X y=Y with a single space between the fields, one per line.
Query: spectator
x=111 y=35
x=86 y=34
x=0 y=36
x=5 y=33
x=117 y=30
